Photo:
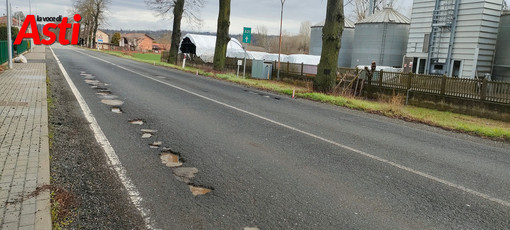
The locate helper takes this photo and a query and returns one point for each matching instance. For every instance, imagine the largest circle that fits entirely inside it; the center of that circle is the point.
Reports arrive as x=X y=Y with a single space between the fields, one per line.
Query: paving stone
x=23 y=113
x=28 y=219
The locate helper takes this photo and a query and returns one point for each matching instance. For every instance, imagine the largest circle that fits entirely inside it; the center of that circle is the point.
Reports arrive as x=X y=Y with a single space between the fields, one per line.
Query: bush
x=3 y=32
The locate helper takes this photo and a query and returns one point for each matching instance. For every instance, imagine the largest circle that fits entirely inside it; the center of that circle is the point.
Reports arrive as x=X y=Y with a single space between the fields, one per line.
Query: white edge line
x=399 y=166
x=113 y=159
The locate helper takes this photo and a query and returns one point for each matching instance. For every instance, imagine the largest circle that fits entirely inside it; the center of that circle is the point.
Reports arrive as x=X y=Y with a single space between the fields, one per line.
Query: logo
x=63 y=26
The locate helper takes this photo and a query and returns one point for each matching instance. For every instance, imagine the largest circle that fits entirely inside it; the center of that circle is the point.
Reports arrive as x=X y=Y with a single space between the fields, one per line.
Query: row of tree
x=93 y=14
x=332 y=33
x=291 y=44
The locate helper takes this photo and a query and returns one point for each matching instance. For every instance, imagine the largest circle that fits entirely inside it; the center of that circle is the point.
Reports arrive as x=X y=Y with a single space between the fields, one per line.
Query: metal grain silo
x=501 y=70
x=345 y=55
x=382 y=38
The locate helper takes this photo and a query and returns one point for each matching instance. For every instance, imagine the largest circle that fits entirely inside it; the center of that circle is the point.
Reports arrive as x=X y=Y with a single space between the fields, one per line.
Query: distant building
x=453 y=37
x=136 y=42
x=102 y=40
x=102 y=37
x=381 y=37
x=14 y=22
x=345 y=54
x=501 y=70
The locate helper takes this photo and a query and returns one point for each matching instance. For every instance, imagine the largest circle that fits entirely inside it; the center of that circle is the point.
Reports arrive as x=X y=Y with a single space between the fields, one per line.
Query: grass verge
x=61 y=208
x=482 y=127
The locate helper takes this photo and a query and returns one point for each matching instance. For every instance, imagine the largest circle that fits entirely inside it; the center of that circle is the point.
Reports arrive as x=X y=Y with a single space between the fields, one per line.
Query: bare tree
x=222 y=37
x=165 y=40
x=361 y=8
x=261 y=38
x=93 y=13
x=304 y=37
x=178 y=9
x=19 y=16
x=331 y=40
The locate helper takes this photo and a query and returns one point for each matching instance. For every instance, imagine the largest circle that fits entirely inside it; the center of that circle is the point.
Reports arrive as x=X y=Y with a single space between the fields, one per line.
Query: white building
x=453 y=37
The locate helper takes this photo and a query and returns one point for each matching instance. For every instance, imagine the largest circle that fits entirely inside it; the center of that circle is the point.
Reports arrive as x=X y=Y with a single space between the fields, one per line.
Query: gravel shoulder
x=79 y=165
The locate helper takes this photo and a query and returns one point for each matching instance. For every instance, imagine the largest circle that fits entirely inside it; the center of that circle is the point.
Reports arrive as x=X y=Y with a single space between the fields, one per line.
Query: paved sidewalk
x=24 y=150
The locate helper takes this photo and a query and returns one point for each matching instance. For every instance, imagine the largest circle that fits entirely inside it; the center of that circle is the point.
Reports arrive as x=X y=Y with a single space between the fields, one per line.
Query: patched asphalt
x=286 y=164
x=79 y=165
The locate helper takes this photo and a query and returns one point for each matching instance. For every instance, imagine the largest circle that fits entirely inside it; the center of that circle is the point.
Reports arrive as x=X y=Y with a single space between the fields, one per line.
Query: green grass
x=482 y=127
x=147 y=56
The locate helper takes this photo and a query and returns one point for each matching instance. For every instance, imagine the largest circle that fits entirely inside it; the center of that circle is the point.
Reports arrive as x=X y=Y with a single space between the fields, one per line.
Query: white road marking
x=113 y=159
x=399 y=166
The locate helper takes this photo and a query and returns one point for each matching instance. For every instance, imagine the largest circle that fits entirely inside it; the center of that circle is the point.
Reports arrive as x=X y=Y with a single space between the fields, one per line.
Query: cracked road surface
x=276 y=163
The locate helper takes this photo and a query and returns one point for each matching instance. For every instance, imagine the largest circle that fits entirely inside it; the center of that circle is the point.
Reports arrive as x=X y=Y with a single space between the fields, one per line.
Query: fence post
x=443 y=85
x=288 y=67
x=483 y=90
x=370 y=75
x=381 y=78
x=409 y=81
x=302 y=68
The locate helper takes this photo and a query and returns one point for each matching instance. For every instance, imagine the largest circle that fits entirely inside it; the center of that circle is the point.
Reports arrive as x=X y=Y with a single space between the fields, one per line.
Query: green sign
x=247 y=35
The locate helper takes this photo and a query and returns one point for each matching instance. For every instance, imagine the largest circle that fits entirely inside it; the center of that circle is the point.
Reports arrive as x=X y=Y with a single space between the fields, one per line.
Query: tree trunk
x=222 y=37
x=176 y=32
x=331 y=42
x=98 y=5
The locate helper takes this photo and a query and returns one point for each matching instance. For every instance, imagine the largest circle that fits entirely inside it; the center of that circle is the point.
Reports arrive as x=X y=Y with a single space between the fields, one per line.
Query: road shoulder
x=79 y=165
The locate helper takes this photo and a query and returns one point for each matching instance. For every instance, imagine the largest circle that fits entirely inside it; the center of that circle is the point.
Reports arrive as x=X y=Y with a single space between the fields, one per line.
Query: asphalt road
x=278 y=163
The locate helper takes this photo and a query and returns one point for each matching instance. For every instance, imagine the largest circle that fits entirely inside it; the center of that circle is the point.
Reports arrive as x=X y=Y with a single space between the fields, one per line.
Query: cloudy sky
x=134 y=14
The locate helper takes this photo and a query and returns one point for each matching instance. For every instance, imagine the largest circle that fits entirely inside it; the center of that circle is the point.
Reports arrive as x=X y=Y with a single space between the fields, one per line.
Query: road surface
x=277 y=163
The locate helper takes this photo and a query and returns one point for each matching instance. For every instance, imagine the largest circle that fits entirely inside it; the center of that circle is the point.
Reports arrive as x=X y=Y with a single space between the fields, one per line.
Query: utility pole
x=30 y=28
x=9 y=36
x=280 y=46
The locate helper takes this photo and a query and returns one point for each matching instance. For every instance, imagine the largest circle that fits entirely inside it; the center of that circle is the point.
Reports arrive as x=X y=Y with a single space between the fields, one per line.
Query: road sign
x=100 y=39
x=247 y=35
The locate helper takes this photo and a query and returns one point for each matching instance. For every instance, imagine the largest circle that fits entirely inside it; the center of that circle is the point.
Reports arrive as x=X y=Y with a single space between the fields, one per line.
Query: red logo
x=52 y=37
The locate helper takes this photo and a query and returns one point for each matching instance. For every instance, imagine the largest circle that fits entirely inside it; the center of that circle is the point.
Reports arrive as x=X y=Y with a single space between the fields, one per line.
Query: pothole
x=136 y=122
x=149 y=131
x=92 y=82
x=117 y=110
x=277 y=98
x=155 y=144
x=198 y=191
x=185 y=174
x=170 y=160
x=147 y=135
x=89 y=77
x=112 y=102
x=104 y=92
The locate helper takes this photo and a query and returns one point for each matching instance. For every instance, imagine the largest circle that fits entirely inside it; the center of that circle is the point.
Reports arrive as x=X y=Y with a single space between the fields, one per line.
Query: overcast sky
x=134 y=14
